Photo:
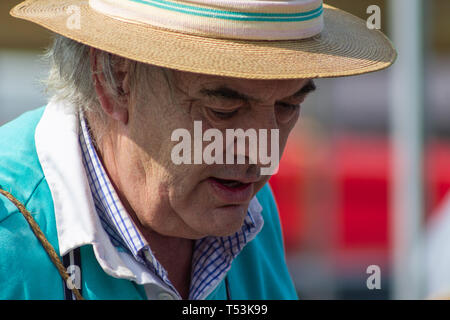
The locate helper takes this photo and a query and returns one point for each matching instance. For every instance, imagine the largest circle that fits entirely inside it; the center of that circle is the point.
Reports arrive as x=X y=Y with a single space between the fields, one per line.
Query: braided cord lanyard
x=43 y=240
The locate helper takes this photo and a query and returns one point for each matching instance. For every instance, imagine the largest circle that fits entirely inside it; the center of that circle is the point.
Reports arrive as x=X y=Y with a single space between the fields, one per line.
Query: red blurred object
x=287 y=188
x=362 y=182
x=357 y=168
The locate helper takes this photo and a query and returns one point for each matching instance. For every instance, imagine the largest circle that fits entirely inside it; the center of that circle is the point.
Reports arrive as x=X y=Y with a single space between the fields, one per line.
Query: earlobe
x=120 y=114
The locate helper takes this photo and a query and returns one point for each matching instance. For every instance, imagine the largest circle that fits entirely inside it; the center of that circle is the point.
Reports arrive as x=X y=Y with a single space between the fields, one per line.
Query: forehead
x=194 y=84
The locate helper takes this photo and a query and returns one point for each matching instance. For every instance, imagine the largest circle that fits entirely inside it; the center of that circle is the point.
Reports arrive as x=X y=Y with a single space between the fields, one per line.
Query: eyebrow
x=227 y=93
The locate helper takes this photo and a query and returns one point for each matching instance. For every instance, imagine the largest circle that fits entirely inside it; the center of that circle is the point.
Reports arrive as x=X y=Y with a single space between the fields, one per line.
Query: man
x=104 y=170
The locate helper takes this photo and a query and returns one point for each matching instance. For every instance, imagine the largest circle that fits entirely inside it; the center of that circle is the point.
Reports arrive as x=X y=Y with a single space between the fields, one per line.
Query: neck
x=175 y=255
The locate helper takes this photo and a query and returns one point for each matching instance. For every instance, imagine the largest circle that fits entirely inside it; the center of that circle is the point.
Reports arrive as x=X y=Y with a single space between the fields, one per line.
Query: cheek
x=189 y=186
x=190 y=202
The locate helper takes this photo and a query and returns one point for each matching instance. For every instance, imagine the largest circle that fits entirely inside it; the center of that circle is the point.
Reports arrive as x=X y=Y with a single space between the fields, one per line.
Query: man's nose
x=256 y=138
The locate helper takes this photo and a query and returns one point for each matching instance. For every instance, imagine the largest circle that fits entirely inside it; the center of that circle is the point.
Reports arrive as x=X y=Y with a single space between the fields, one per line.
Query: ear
x=114 y=106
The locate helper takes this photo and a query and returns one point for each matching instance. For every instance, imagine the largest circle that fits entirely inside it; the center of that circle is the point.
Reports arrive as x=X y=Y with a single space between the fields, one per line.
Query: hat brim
x=345 y=47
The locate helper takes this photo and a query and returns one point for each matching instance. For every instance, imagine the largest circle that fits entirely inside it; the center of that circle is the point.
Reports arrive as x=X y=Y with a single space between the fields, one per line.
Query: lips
x=231 y=191
x=233 y=184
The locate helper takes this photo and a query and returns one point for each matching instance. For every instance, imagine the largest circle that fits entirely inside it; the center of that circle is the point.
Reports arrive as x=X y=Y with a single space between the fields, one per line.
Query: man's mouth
x=232 y=184
x=231 y=191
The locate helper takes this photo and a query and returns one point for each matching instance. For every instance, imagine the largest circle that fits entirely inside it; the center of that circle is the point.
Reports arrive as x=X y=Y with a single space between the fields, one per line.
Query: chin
x=227 y=220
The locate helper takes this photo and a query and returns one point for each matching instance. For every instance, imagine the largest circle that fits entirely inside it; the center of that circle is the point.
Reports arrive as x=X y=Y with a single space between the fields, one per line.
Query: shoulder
x=260 y=270
x=270 y=209
x=20 y=171
x=23 y=260
x=271 y=231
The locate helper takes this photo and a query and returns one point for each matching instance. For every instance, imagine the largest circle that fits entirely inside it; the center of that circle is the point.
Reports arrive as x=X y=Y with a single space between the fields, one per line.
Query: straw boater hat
x=253 y=39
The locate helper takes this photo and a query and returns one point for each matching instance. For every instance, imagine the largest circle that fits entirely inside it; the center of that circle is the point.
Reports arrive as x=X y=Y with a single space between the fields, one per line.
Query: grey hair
x=70 y=76
x=71 y=79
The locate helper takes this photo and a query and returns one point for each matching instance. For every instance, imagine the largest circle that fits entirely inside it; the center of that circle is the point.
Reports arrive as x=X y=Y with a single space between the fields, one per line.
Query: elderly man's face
x=193 y=200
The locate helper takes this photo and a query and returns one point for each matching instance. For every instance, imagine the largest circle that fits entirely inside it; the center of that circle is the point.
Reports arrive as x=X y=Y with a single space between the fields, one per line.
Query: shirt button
x=165 y=296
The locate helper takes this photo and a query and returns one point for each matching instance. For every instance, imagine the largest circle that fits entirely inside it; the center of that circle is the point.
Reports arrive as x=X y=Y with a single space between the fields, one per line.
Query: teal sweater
x=26 y=272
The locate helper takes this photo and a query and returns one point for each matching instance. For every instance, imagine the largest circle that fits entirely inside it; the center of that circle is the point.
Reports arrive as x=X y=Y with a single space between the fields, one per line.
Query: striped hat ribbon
x=231 y=19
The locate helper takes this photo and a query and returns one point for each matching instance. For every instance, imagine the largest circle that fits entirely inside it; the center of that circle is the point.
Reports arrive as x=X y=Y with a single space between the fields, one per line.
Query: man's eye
x=286 y=112
x=288 y=106
x=223 y=114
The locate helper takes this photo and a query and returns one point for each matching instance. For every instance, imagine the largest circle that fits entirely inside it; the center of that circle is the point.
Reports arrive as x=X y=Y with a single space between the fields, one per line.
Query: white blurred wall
x=20 y=89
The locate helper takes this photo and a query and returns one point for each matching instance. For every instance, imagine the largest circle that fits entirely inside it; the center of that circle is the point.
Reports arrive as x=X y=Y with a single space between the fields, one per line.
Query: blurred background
x=365 y=171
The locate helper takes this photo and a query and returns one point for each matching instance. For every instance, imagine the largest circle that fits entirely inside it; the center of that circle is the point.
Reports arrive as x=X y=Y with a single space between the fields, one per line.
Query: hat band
x=232 y=19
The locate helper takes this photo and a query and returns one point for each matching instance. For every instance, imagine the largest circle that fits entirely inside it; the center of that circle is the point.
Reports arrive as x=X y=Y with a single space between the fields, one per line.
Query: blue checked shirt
x=212 y=256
